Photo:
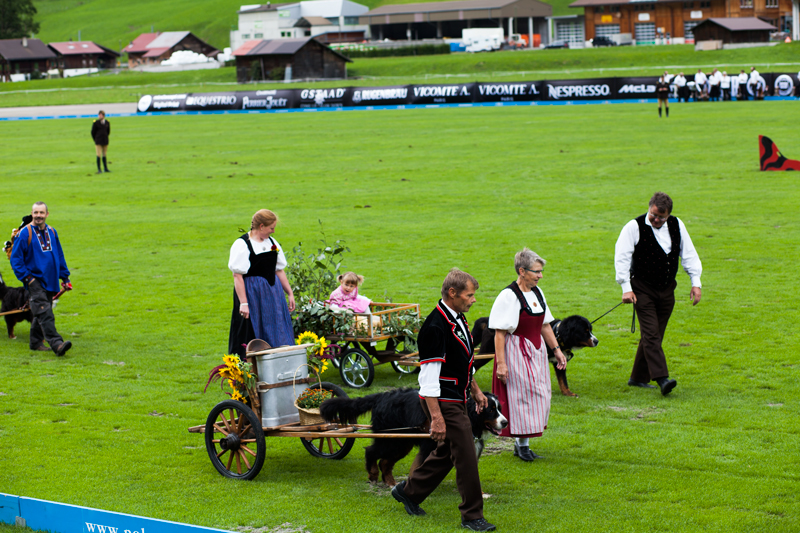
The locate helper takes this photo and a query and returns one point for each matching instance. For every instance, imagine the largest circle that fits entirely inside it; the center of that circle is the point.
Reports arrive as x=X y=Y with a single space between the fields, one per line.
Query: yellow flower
x=307 y=337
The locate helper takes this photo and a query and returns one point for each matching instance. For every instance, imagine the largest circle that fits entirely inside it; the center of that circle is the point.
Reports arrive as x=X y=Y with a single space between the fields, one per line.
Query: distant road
x=66 y=110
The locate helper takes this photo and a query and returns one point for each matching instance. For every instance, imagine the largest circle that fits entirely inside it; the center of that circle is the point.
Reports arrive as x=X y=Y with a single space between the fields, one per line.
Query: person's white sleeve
x=623 y=254
x=239 y=261
x=548 y=315
x=429 y=380
x=505 y=312
x=689 y=258
x=281 y=264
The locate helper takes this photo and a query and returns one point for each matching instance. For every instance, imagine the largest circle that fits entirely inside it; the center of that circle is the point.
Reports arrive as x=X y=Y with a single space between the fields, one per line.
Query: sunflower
x=307 y=337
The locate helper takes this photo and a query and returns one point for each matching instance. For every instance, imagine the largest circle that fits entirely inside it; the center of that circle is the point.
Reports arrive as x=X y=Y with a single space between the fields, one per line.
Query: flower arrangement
x=238 y=375
x=313 y=398
x=317 y=359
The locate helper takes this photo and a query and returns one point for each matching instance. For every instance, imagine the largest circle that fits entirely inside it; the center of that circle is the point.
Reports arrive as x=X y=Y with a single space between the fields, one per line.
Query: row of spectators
x=718 y=86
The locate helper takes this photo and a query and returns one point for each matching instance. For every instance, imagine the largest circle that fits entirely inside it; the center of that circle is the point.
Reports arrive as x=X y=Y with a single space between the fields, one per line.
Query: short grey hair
x=458 y=280
x=526 y=258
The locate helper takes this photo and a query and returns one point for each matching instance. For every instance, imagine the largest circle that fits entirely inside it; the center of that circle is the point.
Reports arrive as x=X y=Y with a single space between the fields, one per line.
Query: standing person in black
x=662 y=93
x=646 y=260
x=445 y=379
x=101 y=130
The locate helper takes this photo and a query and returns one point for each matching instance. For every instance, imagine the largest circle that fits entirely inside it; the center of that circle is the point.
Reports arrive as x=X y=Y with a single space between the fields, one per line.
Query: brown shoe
x=62 y=349
x=41 y=348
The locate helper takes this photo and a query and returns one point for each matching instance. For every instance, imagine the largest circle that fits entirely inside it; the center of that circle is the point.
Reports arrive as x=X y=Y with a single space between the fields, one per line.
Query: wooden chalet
x=24 y=56
x=308 y=59
x=83 y=54
x=153 y=48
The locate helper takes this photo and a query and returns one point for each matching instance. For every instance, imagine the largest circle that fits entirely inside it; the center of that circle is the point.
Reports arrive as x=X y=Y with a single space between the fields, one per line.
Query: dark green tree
x=16 y=19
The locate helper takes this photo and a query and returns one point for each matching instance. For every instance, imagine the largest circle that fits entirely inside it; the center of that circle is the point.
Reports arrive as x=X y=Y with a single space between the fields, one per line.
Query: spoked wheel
x=329 y=447
x=404 y=368
x=235 y=440
x=356 y=369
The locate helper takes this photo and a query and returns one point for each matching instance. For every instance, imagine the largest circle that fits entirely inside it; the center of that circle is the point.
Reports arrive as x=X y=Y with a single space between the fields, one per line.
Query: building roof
x=431 y=7
x=593 y=3
x=264 y=47
x=13 y=50
x=140 y=43
x=155 y=52
x=741 y=23
x=456 y=10
x=168 y=39
x=259 y=8
x=305 y=22
x=79 y=48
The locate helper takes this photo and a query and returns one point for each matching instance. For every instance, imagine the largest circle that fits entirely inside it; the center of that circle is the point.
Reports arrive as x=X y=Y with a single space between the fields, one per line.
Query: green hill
x=115 y=23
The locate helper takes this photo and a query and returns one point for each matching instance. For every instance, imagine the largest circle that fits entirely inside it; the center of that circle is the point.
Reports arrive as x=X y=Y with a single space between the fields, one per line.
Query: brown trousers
x=654 y=308
x=457 y=450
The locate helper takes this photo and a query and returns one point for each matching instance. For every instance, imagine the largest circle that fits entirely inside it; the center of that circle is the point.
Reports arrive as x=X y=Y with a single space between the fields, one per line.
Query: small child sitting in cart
x=346 y=295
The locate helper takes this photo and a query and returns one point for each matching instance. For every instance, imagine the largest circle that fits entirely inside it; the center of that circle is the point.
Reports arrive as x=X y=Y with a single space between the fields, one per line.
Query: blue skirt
x=269 y=316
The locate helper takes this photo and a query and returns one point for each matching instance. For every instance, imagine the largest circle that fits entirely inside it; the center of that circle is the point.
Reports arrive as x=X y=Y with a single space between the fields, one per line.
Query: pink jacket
x=352 y=301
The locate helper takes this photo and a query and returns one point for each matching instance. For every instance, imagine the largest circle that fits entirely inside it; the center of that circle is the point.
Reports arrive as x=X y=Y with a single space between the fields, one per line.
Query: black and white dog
x=572 y=333
x=14 y=298
x=400 y=410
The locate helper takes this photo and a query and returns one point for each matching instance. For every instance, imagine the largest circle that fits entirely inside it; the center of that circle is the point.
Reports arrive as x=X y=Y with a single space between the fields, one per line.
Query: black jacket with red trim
x=441 y=340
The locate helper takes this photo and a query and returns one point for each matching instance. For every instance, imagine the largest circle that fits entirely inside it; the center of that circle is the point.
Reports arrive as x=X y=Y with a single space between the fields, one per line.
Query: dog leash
x=633 y=320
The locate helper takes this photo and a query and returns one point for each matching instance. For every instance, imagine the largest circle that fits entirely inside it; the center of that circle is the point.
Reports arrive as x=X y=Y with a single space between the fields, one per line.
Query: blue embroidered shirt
x=42 y=258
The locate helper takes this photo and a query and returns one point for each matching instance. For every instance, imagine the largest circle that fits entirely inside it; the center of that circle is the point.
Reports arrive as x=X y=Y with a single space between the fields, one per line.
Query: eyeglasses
x=662 y=219
x=534 y=271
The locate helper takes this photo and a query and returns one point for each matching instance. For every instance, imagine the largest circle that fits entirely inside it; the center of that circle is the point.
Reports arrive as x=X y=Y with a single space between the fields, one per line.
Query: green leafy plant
x=313 y=315
x=403 y=325
x=313 y=274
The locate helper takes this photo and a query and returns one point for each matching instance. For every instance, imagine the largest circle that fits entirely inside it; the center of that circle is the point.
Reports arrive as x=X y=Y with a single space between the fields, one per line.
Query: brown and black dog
x=14 y=298
x=572 y=333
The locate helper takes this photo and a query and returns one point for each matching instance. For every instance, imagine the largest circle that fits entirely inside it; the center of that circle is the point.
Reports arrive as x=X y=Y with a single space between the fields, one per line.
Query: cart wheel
x=235 y=440
x=401 y=368
x=329 y=447
x=356 y=369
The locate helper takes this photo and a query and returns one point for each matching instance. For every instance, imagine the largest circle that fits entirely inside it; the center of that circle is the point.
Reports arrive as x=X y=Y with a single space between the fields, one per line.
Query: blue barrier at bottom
x=62 y=518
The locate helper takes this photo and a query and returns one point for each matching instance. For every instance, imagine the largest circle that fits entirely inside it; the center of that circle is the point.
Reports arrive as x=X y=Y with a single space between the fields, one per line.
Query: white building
x=309 y=18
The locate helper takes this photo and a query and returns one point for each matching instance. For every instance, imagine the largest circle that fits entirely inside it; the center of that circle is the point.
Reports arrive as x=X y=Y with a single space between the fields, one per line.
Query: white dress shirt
x=239 y=261
x=680 y=81
x=725 y=82
x=629 y=238
x=700 y=78
x=429 y=372
x=754 y=75
x=505 y=310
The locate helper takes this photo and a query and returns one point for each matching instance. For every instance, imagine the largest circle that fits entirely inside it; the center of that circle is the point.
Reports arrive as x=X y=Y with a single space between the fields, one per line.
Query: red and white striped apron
x=525 y=397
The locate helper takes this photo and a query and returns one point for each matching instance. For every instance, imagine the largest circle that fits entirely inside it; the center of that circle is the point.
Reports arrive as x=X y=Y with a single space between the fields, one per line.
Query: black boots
x=105 y=165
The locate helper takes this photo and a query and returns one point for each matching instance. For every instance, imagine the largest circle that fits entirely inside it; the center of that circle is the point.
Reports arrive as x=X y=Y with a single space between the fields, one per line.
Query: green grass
x=105 y=427
x=498 y=66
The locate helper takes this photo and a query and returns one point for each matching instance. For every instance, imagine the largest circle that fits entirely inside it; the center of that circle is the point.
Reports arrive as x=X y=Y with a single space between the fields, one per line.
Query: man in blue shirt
x=38 y=261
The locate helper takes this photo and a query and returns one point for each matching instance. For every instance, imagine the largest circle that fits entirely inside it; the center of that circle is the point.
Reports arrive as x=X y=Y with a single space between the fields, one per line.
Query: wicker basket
x=308 y=417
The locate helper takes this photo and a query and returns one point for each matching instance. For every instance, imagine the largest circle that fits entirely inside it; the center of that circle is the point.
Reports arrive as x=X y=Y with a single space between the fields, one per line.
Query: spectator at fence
x=725 y=85
x=701 y=85
x=759 y=88
x=742 y=78
x=681 y=88
x=714 y=81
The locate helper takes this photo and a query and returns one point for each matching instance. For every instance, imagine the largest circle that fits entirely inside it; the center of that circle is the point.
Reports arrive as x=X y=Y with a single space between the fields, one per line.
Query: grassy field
x=115 y=24
x=415 y=193
x=498 y=66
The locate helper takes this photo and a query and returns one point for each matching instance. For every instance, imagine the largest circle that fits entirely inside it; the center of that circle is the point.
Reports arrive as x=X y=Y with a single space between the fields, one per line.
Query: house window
x=771 y=4
x=351 y=21
x=746 y=4
x=258 y=35
x=613 y=9
x=245 y=36
x=600 y=9
x=706 y=5
x=688 y=5
x=286 y=34
x=308 y=33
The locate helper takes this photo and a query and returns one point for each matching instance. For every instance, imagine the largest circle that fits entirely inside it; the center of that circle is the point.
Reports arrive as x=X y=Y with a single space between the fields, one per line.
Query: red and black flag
x=771 y=157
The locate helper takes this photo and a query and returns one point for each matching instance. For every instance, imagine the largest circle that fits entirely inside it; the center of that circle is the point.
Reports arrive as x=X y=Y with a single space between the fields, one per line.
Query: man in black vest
x=445 y=353
x=646 y=260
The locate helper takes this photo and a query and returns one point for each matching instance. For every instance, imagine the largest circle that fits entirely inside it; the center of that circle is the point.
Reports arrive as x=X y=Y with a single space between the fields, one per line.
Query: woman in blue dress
x=260 y=310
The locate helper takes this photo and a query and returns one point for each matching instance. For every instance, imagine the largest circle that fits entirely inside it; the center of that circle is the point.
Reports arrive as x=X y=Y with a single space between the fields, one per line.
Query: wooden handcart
x=353 y=354
x=236 y=439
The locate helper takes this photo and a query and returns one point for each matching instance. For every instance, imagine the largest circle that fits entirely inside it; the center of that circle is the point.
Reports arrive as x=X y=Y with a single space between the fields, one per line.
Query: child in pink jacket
x=346 y=295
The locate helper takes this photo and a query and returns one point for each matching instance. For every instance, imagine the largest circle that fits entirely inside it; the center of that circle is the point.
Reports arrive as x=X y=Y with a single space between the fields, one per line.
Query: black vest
x=441 y=340
x=650 y=264
x=263 y=264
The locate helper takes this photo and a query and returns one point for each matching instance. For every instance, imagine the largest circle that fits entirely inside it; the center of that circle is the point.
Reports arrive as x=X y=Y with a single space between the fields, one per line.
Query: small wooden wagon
x=353 y=354
x=235 y=434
